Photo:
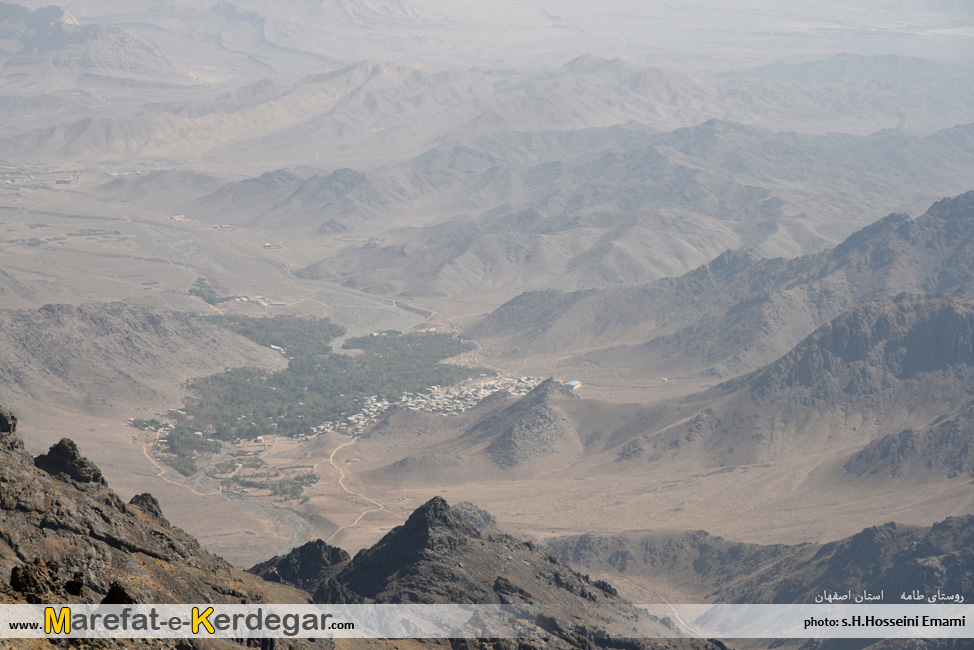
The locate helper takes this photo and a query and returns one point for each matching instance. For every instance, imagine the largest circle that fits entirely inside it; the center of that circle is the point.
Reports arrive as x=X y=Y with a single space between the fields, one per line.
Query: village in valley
x=240 y=468
x=442 y=401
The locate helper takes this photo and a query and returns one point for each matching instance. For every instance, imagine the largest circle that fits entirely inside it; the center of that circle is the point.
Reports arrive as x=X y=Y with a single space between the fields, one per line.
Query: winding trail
x=341 y=484
x=162 y=470
x=687 y=625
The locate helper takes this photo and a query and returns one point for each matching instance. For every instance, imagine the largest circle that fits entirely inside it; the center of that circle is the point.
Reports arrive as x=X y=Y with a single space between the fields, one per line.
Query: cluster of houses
x=450 y=401
x=263 y=301
x=445 y=402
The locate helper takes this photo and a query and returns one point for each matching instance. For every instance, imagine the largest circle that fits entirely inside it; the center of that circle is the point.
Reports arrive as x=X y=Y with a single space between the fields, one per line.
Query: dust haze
x=657 y=286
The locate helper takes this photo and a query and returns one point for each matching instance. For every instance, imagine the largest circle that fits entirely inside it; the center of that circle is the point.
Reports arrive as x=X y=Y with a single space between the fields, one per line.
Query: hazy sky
x=692 y=34
x=712 y=33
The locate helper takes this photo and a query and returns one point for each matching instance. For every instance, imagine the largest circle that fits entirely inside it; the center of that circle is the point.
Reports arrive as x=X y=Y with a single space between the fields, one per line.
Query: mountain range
x=880 y=393
x=372 y=112
x=890 y=557
x=624 y=205
x=739 y=312
x=50 y=44
x=512 y=211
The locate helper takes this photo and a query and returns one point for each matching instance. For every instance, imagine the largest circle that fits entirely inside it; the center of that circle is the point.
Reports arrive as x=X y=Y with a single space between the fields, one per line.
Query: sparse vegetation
x=146 y=425
x=288 y=487
x=202 y=290
x=318 y=384
x=182 y=446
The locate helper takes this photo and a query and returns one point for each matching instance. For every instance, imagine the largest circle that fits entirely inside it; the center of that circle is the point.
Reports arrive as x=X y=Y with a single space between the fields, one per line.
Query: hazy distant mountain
x=281 y=199
x=875 y=369
x=564 y=210
x=737 y=312
x=900 y=361
x=892 y=557
x=45 y=49
x=887 y=71
x=379 y=112
x=172 y=189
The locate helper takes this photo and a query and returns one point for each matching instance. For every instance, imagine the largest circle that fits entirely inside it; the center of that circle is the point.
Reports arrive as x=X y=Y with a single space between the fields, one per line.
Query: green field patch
x=319 y=385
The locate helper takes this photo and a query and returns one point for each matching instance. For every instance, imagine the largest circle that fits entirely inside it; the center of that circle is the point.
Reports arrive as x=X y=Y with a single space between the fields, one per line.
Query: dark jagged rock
x=10 y=442
x=332 y=591
x=433 y=531
x=118 y=595
x=435 y=518
x=8 y=423
x=91 y=547
x=76 y=585
x=509 y=593
x=306 y=567
x=65 y=462
x=150 y=506
x=38 y=581
x=437 y=556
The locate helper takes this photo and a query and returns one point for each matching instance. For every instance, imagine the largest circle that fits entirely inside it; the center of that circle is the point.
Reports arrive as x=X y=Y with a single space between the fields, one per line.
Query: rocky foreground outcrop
x=438 y=556
x=66 y=537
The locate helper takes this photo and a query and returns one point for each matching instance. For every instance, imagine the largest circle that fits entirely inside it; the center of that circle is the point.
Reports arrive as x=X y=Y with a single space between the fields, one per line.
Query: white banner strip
x=485 y=621
x=819 y=621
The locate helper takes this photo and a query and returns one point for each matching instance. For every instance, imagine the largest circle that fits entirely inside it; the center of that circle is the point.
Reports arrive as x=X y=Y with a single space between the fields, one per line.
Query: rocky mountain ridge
x=873 y=369
x=65 y=536
x=438 y=556
x=618 y=205
x=943 y=448
x=738 y=313
x=891 y=557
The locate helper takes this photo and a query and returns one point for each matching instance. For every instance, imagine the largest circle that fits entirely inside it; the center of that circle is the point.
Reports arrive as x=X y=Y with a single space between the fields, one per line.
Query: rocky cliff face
x=306 y=567
x=66 y=537
x=438 y=556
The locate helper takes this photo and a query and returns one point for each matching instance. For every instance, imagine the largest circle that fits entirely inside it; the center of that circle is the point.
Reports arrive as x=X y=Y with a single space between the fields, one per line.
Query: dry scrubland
x=748 y=265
